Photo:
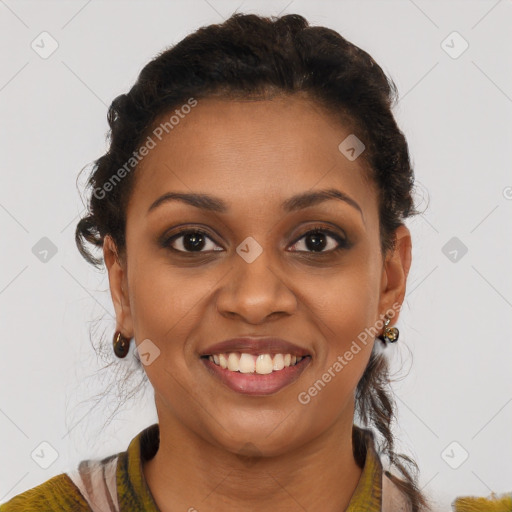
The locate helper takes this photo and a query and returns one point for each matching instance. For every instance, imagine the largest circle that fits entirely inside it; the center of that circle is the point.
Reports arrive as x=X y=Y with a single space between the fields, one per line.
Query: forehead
x=249 y=150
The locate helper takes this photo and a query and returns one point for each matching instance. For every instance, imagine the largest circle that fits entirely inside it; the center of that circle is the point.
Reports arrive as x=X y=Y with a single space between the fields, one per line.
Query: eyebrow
x=297 y=202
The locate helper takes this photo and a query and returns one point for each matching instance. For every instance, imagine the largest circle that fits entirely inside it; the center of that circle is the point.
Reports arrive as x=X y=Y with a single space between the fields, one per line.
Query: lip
x=255 y=346
x=254 y=383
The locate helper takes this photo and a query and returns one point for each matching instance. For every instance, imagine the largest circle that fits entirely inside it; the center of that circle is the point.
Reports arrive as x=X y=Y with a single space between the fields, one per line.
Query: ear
x=118 y=287
x=395 y=271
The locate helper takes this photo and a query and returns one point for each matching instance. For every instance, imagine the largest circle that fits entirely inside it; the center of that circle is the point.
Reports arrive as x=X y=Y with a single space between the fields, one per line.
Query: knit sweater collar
x=134 y=492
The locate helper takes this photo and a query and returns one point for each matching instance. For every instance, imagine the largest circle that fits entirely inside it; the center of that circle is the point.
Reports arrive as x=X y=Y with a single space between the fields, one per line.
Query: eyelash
x=342 y=242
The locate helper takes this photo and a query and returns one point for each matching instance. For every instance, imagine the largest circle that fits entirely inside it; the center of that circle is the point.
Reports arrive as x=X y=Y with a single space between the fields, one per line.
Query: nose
x=255 y=291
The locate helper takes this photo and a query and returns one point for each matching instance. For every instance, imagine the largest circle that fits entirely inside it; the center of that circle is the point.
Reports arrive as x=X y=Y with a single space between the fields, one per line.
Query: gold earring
x=390 y=334
x=121 y=345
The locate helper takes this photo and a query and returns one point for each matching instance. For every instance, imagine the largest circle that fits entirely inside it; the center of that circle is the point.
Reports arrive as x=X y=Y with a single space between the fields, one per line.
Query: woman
x=251 y=213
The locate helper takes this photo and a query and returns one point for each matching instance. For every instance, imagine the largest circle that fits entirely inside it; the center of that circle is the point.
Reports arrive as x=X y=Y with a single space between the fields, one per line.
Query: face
x=310 y=273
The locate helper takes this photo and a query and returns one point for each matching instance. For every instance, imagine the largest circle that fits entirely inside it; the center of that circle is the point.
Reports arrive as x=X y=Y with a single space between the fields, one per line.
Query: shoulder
x=500 y=502
x=109 y=484
x=97 y=482
x=56 y=494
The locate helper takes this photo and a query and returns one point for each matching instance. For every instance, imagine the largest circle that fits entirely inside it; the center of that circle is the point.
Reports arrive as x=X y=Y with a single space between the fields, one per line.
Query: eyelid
x=341 y=239
x=166 y=240
x=325 y=228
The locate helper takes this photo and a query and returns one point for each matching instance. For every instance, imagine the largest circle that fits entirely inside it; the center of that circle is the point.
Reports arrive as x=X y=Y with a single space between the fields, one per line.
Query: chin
x=258 y=441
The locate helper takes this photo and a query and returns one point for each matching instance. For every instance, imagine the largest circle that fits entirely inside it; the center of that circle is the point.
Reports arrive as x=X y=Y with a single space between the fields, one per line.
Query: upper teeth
x=249 y=363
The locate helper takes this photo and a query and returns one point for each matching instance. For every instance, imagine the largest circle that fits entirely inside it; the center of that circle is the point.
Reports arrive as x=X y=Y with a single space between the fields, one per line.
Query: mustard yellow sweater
x=494 y=503
x=131 y=492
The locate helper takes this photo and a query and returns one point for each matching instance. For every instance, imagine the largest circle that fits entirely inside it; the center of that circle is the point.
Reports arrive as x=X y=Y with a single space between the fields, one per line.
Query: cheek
x=161 y=304
x=346 y=302
x=161 y=295
x=353 y=310
x=346 y=350
x=344 y=315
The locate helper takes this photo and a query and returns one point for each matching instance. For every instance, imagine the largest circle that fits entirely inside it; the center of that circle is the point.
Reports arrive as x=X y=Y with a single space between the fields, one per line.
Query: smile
x=250 y=363
x=260 y=374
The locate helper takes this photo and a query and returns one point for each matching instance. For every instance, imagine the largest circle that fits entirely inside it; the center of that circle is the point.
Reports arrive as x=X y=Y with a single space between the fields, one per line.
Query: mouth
x=255 y=374
x=262 y=364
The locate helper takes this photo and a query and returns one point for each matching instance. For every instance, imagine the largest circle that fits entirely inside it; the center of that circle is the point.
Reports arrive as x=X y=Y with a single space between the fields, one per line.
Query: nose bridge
x=256 y=288
x=254 y=268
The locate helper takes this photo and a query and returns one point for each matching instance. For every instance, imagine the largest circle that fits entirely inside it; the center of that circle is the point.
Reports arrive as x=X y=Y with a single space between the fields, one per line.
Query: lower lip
x=254 y=383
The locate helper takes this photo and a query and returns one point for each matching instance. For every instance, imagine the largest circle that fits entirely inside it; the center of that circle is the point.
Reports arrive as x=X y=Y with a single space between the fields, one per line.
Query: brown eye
x=190 y=240
x=319 y=239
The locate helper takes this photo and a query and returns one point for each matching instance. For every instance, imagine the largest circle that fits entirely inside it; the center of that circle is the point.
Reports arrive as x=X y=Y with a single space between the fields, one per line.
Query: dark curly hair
x=250 y=56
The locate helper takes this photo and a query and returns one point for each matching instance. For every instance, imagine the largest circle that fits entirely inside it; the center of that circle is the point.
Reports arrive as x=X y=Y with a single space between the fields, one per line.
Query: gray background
x=455 y=392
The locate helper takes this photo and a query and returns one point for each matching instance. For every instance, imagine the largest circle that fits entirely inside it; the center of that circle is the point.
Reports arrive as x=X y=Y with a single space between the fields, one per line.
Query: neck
x=189 y=472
